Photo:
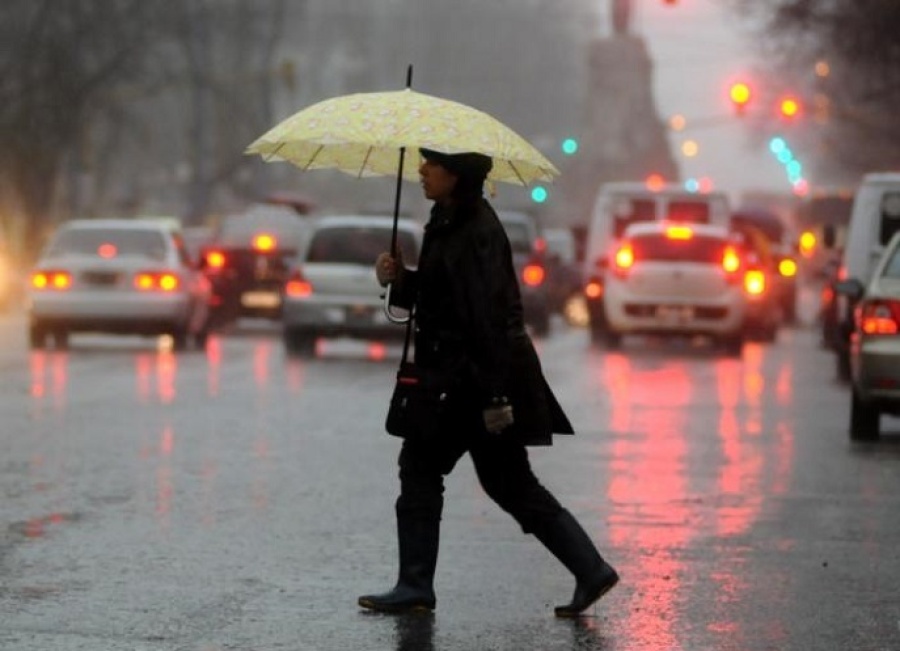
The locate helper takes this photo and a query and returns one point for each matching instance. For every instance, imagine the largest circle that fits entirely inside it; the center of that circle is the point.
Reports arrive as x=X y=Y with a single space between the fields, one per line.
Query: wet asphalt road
x=241 y=500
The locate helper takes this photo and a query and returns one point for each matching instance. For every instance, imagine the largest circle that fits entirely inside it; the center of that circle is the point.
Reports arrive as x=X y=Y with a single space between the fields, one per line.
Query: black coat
x=469 y=322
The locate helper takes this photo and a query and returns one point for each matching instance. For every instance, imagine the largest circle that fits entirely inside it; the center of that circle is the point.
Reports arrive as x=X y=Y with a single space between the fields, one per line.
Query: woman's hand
x=388 y=268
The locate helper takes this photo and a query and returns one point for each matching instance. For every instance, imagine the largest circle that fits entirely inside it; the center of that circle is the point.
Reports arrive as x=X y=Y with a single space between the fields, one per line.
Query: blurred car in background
x=529 y=258
x=766 y=316
x=875 y=345
x=331 y=290
x=121 y=276
x=784 y=263
x=564 y=275
x=676 y=279
x=247 y=261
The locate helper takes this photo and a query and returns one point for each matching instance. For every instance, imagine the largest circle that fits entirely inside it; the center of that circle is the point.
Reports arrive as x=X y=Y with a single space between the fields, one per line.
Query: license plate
x=359 y=315
x=675 y=313
x=261 y=299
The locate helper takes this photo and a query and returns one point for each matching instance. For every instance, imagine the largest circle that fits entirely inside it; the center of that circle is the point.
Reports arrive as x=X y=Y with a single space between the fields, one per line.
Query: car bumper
x=361 y=319
x=875 y=364
x=627 y=315
x=115 y=308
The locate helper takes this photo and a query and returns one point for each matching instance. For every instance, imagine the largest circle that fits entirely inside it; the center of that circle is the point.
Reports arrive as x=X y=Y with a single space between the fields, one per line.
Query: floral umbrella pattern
x=361 y=134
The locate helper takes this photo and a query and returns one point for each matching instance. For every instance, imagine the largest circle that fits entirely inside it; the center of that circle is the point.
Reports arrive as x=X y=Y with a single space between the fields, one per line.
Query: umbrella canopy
x=362 y=134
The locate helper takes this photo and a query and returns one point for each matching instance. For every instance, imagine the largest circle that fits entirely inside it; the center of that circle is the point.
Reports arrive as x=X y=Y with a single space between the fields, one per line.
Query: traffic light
x=740 y=95
x=569 y=146
x=789 y=107
x=539 y=194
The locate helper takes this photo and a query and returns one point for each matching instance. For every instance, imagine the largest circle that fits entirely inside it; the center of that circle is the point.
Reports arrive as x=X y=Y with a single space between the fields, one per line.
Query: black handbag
x=419 y=401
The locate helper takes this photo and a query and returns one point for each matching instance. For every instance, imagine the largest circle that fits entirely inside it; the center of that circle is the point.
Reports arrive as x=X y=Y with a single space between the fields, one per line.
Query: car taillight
x=156 y=281
x=624 y=258
x=807 y=244
x=264 y=242
x=787 y=267
x=107 y=250
x=679 y=232
x=731 y=260
x=755 y=282
x=533 y=274
x=593 y=289
x=51 y=279
x=215 y=260
x=297 y=286
x=878 y=317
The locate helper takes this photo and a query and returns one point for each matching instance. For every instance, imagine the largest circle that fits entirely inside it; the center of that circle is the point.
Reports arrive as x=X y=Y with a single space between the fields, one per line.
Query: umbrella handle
x=392 y=316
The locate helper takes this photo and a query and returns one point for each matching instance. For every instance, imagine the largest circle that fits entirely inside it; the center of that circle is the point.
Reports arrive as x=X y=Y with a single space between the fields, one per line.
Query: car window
x=631 y=211
x=109 y=242
x=695 y=212
x=699 y=248
x=890 y=216
x=358 y=245
x=519 y=236
x=892 y=267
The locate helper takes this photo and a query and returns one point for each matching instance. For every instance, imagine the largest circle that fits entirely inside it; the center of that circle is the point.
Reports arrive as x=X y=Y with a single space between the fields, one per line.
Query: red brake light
x=533 y=274
x=879 y=317
x=297 y=286
x=594 y=289
x=624 y=257
x=215 y=259
x=787 y=267
x=679 y=232
x=755 y=282
x=107 y=250
x=731 y=260
x=264 y=242
x=51 y=279
x=156 y=281
x=540 y=245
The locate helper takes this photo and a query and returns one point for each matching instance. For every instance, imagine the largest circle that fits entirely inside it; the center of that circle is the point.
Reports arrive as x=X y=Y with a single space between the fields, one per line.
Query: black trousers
x=501 y=464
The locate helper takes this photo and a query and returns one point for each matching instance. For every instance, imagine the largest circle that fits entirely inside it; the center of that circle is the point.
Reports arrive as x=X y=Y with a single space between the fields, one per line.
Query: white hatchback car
x=332 y=290
x=667 y=278
x=121 y=276
x=875 y=345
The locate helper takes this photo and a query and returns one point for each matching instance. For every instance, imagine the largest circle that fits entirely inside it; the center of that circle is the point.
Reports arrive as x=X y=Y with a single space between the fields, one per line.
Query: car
x=875 y=345
x=783 y=253
x=765 y=314
x=120 y=276
x=563 y=272
x=676 y=279
x=331 y=289
x=874 y=219
x=528 y=253
x=247 y=261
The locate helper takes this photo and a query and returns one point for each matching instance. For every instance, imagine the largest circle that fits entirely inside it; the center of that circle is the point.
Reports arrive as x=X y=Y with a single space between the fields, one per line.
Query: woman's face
x=437 y=182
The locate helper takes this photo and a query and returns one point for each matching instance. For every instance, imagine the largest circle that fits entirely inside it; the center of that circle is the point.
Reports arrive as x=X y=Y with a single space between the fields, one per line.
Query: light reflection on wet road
x=240 y=500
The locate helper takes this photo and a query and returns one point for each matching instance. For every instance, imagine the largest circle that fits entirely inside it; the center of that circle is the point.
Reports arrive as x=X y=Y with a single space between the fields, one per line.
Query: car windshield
x=358 y=245
x=660 y=248
x=109 y=242
x=240 y=230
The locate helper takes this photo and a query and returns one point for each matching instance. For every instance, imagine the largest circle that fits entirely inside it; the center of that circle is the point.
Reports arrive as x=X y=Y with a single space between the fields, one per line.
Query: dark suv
x=247 y=261
x=528 y=257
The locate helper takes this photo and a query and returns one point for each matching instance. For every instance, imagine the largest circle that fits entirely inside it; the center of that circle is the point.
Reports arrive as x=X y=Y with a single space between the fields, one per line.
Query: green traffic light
x=539 y=194
x=569 y=146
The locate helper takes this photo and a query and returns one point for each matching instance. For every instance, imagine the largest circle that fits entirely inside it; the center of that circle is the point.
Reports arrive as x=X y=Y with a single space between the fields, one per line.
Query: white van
x=874 y=219
x=622 y=203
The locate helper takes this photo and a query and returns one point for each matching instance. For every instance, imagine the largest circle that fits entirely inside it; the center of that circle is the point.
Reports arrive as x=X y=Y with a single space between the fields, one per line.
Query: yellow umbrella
x=362 y=134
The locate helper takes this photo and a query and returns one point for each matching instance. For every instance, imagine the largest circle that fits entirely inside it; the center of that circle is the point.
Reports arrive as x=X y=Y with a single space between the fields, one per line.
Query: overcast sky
x=698 y=50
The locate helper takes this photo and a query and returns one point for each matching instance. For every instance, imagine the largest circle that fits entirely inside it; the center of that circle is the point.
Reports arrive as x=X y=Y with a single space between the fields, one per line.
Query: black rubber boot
x=594 y=577
x=417 y=539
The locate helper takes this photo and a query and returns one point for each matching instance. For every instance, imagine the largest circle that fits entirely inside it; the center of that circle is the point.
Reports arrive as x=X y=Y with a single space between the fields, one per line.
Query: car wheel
x=37 y=336
x=612 y=340
x=842 y=358
x=299 y=342
x=865 y=420
x=201 y=337
x=179 y=338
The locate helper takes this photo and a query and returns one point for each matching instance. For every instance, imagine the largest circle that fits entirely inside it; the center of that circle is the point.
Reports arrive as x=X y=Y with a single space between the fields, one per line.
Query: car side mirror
x=851 y=288
x=829 y=236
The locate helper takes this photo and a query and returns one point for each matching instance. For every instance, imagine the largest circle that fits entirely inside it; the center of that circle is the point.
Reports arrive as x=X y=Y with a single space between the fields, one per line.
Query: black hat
x=470 y=164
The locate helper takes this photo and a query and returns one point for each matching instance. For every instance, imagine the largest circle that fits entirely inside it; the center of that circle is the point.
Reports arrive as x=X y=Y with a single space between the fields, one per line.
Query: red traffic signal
x=740 y=95
x=789 y=107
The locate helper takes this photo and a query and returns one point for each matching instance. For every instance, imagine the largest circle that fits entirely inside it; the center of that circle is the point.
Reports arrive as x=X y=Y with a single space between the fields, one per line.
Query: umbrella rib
x=272 y=155
x=365 y=162
x=313 y=158
x=519 y=176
